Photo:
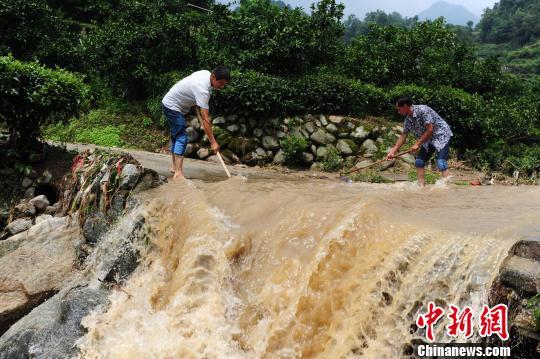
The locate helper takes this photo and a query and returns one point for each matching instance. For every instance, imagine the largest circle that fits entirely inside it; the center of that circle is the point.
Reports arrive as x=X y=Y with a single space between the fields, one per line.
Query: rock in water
x=51 y=330
x=36 y=269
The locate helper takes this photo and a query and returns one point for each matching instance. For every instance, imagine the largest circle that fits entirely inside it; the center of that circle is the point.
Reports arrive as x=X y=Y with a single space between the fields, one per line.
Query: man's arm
x=424 y=138
x=207 y=125
x=397 y=146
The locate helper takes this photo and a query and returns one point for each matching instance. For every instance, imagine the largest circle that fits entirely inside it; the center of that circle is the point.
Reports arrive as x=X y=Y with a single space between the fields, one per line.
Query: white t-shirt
x=192 y=90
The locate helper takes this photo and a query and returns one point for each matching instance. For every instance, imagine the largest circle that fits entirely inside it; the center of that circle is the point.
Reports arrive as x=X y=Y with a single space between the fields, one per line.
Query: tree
x=263 y=37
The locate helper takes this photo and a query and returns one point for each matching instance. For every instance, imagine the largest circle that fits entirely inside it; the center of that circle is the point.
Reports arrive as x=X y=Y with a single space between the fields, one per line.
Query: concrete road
x=195 y=169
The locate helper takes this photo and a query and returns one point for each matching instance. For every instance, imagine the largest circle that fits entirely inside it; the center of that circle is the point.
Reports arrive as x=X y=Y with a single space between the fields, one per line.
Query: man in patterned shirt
x=432 y=132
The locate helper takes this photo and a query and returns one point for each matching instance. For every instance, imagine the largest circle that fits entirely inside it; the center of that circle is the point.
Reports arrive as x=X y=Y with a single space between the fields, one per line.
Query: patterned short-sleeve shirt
x=423 y=115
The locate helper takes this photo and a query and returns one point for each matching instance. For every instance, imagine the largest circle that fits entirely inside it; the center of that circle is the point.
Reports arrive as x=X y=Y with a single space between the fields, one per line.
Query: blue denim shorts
x=177 y=124
x=442 y=156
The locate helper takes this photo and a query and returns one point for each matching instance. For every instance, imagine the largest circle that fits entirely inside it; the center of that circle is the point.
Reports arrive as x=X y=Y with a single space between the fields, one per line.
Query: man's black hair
x=404 y=100
x=222 y=73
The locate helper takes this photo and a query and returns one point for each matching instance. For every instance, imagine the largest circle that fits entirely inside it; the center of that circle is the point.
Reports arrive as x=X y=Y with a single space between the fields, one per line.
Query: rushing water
x=305 y=269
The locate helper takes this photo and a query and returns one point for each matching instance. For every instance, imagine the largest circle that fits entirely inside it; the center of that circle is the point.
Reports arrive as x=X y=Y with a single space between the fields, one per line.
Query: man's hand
x=414 y=148
x=391 y=154
x=214 y=146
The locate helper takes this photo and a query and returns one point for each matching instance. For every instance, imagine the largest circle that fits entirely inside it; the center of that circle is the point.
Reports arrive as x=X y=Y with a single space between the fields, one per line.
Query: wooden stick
x=218 y=154
x=376 y=163
x=223 y=164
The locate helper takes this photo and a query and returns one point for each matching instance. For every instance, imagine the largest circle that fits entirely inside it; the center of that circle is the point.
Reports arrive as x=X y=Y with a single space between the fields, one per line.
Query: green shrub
x=109 y=136
x=263 y=37
x=523 y=159
x=292 y=147
x=332 y=160
x=139 y=42
x=32 y=96
x=255 y=94
x=33 y=30
x=463 y=111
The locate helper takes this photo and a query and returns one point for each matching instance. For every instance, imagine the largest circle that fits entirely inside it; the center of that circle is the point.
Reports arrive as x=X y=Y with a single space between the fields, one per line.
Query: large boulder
x=242 y=145
x=270 y=143
x=129 y=176
x=322 y=137
x=51 y=330
x=40 y=202
x=336 y=119
x=346 y=147
x=24 y=209
x=279 y=158
x=192 y=135
x=359 y=133
x=203 y=153
x=37 y=268
x=18 y=226
x=369 y=148
x=518 y=285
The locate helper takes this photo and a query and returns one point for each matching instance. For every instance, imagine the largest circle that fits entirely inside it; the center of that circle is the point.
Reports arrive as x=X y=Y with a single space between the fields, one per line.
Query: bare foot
x=178 y=175
x=171 y=170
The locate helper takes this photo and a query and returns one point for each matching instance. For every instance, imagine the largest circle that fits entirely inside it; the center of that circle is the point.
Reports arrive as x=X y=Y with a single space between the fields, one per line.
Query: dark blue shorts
x=442 y=156
x=177 y=124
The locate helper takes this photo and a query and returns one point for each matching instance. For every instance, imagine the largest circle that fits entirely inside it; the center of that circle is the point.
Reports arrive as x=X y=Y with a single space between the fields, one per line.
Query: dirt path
x=208 y=171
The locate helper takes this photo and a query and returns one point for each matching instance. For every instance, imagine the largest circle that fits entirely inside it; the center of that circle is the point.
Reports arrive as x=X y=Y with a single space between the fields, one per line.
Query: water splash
x=254 y=269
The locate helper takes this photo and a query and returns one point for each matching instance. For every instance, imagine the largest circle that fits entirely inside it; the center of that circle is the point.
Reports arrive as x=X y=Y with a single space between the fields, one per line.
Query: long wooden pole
x=376 y=163
x=218 y=154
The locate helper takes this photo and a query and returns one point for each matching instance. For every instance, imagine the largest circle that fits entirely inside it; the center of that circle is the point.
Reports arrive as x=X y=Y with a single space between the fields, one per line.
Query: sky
x=404 y=7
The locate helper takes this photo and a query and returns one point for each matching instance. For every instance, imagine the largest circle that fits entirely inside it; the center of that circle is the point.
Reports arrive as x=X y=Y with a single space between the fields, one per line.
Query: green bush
x=266 y=38
x=332 y=160
x=255 y=94
x=33 y=30
x=292 y=147
x=428 y=54
x=32 y=96
x=109 y=136
x=460 y=109
x=142 y=40
x=523 y=159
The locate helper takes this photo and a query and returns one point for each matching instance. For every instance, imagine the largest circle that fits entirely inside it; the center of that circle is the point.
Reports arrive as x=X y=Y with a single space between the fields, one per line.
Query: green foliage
x=110 y=127
x=355 y=27
x=140 y=40
x=33 y=30
x=332 y=160
x=32 y=96
x=460 y=109
x=428 y=54
x=522 y=158
x=253 y=93
x=293 y=146
x=109 y=136
x=266 y=38
x=513 y=21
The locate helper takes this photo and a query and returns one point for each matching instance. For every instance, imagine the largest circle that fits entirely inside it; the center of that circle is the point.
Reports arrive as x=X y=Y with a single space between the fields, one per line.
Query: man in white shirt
x=194 y=90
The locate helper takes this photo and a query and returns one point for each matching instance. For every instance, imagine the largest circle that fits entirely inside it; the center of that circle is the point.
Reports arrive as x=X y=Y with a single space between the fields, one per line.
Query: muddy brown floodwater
x=305 y=268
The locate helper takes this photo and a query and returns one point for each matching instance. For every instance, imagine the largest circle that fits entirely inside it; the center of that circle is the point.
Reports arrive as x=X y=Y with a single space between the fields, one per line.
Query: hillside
x=454 y=14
